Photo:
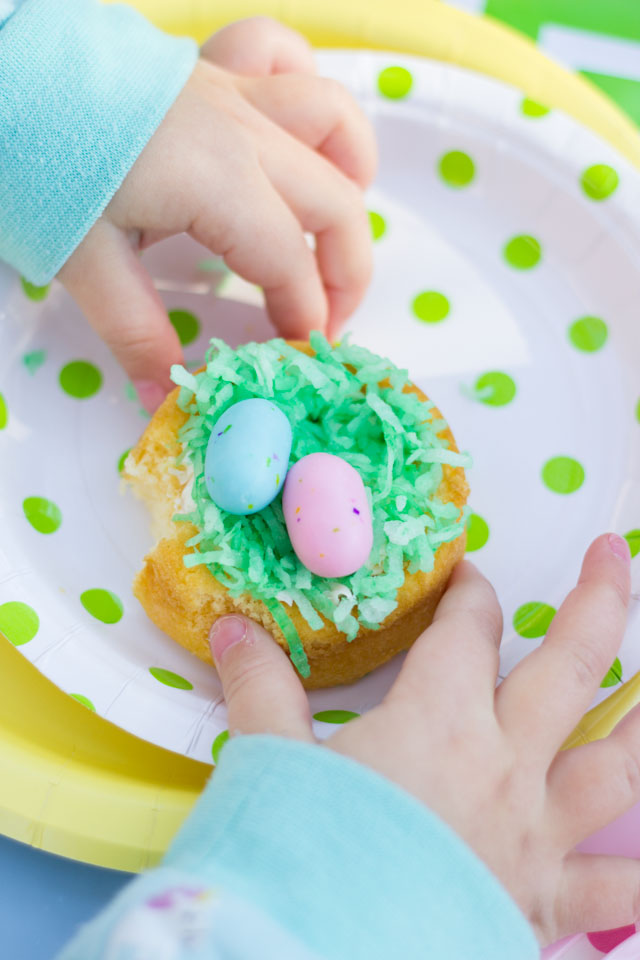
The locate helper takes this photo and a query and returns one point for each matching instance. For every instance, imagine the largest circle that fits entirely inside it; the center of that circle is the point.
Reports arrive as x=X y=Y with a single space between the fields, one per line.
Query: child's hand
x=248 y=158
x=487 y=760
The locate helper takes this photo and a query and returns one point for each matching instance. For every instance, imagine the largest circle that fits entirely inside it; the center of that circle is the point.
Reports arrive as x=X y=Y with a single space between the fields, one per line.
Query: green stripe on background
x=619 y=18
x=626 y=93
x=611 y=18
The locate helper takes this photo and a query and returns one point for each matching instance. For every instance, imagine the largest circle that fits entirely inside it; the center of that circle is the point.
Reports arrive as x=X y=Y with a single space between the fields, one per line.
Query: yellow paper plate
x=600 y=721
x=71 y=782
x=74 y=784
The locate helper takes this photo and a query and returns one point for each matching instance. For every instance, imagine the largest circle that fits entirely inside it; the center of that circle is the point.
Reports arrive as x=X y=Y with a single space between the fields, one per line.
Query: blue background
x=45 y=898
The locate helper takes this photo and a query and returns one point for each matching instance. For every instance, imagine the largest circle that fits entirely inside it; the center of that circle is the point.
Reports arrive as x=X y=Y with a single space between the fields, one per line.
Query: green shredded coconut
x=377 y=609
x=298 y=656
x=182 y=378
x=336 y=404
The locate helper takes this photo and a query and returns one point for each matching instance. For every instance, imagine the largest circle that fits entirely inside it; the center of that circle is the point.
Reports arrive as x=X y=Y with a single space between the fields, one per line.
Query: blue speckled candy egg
x=247 y=456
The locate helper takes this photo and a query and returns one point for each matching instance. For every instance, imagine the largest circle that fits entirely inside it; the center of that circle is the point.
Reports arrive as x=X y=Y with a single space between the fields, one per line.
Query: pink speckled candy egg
x=327 y=515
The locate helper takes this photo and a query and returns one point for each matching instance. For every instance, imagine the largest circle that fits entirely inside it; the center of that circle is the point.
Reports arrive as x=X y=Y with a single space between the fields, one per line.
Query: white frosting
x=339 y=591
x=184 y=503
x=285 y=597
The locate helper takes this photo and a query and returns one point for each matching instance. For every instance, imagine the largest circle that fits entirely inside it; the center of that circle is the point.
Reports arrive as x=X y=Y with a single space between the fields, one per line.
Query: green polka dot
x=588 y=334
x=531 y=108
x=218 y=744
x=532 y=620
x=599 y=181
x=102 y=604
x=4 y=413
x=43 y=515
x=456 y=168
x=614 y=674
x=522 y=252
x=34 y=292
x=477 y=532
x=186 y=325
x=80 y=379
x=170 y=679
x=122 y=458
x=213 y=265
x=563 y=474
x=430 y=306
x=18 y=622
x=495 y=389
x=395 y=82
x=34 y=360
x=335 y=716
x=378 y=225
x=633 y=539
x=83 y=700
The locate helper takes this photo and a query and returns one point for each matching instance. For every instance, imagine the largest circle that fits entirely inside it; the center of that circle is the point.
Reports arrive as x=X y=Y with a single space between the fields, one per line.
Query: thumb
x=106 y=279
x=262 y=690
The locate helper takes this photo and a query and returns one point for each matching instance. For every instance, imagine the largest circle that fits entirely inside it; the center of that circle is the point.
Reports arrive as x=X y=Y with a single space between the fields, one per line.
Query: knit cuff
x=82 y=88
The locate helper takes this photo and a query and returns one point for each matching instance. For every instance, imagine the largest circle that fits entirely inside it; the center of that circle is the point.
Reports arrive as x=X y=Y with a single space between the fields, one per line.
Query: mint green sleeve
x=83 y=86
x=313 y=855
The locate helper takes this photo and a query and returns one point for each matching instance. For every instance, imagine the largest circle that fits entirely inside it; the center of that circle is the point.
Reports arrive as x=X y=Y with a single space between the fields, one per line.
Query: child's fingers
x=261 y=240
x=321 y=114
x=262 y=690
x=330 y=206
x=596 y=893
x=461 y=645
x=345 y=261
x=114 y=291
x=604 y=775
x=548 y=692
x=259 y=46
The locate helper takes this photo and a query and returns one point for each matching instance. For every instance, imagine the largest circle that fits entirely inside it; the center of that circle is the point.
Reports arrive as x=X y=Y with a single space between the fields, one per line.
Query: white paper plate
x=440 y=238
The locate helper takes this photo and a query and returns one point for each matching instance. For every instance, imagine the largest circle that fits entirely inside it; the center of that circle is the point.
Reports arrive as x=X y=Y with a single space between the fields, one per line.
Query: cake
x=341 y=400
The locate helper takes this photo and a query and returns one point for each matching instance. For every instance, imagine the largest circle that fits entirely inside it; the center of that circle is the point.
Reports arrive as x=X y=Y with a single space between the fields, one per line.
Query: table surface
x=46 y=898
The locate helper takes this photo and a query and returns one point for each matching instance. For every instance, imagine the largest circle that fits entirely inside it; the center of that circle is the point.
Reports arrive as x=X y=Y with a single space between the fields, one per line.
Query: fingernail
x=619 y=546
x=225 y=633
x=150 y=394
